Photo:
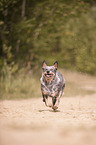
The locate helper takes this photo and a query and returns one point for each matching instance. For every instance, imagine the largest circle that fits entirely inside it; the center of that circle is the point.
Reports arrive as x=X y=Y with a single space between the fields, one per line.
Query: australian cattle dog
x=52 y=84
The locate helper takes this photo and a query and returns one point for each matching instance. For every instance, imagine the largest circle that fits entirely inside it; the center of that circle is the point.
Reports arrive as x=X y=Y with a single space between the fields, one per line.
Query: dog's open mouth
x=48 y=75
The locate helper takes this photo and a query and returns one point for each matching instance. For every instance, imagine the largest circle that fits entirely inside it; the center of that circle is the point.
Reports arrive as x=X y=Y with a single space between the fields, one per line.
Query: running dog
x=52 y=84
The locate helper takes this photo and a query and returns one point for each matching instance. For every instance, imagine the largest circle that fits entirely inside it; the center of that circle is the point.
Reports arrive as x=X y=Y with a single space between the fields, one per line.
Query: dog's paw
x=50 y=105
x=55 y=107
x=46 y=105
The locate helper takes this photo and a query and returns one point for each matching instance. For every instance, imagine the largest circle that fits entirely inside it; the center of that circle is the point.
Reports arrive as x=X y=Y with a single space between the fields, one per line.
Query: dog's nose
x=47 y=71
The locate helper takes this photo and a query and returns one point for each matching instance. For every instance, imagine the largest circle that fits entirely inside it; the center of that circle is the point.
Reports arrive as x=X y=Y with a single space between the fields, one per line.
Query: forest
x=37 y=30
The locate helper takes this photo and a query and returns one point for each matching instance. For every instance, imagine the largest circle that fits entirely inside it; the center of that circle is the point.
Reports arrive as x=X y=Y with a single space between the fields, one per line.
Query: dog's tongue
x=48 y=75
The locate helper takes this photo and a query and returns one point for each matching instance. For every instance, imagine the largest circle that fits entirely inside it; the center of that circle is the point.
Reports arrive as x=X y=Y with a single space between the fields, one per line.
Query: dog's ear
x=44 y=64
x=55 y=64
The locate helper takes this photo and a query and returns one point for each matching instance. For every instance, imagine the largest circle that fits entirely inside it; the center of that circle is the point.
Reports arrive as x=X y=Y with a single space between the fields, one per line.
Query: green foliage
x=50 y=30
x=7 y=66
x=81 y=41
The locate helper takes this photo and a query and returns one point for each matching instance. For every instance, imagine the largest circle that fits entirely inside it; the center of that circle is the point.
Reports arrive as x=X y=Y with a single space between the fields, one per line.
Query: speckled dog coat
x=52 y=83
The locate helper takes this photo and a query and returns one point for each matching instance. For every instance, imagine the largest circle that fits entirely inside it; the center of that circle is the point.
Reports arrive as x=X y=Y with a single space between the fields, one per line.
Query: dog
x=52 y=84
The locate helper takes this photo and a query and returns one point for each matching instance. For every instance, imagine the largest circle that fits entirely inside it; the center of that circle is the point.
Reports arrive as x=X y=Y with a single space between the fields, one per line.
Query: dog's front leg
x=55 y=103
x=56 y=100
x=46 y=102
x=45 y=99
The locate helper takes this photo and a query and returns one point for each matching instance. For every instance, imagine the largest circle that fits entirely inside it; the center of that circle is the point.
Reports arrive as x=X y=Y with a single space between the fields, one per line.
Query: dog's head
x=49 y=72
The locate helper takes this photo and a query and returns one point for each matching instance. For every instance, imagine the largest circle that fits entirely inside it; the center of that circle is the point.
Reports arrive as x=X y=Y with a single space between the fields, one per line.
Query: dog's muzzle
x=48 y=75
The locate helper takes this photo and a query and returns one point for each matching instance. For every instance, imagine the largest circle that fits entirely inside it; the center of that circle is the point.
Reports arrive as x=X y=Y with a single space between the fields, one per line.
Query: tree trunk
x=23 y=9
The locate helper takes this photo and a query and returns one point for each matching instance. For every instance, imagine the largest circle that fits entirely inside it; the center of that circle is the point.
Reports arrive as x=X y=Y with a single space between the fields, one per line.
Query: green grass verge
x=20 y=88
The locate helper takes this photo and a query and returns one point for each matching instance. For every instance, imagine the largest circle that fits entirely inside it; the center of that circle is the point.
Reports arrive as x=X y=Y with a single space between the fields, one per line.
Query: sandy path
x=30 y=122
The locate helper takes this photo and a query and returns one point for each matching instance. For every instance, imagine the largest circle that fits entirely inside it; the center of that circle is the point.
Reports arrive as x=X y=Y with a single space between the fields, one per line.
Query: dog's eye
x=44 y=69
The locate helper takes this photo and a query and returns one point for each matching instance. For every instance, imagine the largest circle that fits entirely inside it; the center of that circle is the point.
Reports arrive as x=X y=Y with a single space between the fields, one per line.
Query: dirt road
x=30 y=122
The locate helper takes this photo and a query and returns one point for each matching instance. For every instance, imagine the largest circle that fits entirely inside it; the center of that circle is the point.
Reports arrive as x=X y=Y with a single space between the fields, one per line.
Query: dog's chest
x=52 y=86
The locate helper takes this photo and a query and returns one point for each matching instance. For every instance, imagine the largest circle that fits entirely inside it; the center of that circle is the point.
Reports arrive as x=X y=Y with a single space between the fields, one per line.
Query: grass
x=20 y=87
x=28 y=85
